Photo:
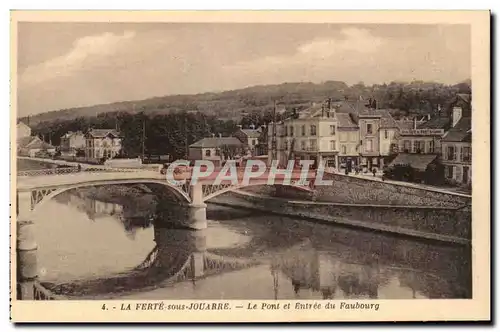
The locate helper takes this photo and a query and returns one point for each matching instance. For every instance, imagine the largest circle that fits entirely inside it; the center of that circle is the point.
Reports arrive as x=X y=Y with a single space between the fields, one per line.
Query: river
x=92 y=249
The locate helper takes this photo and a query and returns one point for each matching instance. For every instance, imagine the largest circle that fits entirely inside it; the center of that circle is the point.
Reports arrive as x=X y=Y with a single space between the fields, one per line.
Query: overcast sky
x=63 y=65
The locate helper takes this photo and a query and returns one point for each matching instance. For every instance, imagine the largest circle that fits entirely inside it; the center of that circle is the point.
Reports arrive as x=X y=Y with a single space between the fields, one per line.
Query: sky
x=64 y=65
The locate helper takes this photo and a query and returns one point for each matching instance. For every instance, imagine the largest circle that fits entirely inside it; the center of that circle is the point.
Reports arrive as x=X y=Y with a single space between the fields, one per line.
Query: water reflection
x=240 y=256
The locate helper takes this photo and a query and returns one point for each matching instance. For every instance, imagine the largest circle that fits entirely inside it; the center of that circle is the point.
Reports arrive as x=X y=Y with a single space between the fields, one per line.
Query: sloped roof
x=460 y=132
x=465 y=97
x=214 y=142
x=404 y=124
x=386 y=119
x=39 y=144
x=252 y=133
x=71 y=133
x=435 y=123
x=417 y=161
x=345 y=120
x=23 y=142
x=98 y=133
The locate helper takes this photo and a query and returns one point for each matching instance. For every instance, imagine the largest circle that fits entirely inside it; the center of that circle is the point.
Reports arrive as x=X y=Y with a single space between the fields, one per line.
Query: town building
x=456 y=147
x=216 y=149
x=342 y=134
x=31 y=146
x=423 y=138
x=249 y=136
x=102 y=143
x=72 y=142
x=310 y=134
x=378 y=136
x=23 y=130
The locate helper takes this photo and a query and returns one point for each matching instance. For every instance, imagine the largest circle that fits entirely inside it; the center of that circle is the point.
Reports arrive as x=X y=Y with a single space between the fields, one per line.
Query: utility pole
x=273 y=139
x=143 y=137
x=186 y=135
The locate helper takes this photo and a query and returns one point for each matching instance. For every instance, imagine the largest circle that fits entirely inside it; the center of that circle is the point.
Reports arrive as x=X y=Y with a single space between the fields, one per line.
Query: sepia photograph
x=237 y=166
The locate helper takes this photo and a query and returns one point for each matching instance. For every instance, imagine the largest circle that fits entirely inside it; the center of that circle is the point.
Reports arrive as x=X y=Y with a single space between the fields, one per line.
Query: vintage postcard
x=258 y=166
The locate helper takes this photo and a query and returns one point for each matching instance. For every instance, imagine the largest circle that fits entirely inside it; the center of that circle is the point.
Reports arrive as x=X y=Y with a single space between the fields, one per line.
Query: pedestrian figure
x=79 y=168
x=374 y=171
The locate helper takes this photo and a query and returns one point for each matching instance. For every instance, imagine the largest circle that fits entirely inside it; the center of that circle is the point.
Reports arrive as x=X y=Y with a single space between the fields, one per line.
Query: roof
x=20 y=123
x=23 y=142
x=405 y=124
x=98 y=133
x=465 y=97
x=252 y=133
x=386 y=119
x=418 y=161
x=71 y=133
x=33 y=142
x=435 y=123
x=461 y=132
x=39 y=144
x=214 y=142
x=345 y=120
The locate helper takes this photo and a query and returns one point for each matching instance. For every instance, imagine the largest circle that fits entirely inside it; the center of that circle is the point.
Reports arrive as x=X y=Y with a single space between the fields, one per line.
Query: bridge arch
x=40 y=196
x=214 y=191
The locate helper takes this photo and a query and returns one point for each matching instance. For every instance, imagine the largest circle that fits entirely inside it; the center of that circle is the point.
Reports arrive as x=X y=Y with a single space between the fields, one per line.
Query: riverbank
x=444 y=225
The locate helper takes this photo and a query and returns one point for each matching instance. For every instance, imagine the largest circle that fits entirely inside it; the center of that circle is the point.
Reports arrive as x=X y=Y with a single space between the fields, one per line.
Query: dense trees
x=164 y=134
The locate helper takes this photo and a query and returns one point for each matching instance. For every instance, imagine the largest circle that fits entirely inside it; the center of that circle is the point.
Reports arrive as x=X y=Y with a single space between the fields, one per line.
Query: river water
x=122 y=247
x=93 y=249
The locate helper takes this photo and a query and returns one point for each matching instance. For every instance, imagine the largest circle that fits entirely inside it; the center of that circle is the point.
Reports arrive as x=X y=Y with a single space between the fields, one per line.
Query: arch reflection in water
x=179 y=255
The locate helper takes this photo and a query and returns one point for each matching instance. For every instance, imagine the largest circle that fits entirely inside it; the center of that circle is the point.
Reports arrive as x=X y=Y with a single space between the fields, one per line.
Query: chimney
x=456 y=116
x=415 y=123
x=220 y=135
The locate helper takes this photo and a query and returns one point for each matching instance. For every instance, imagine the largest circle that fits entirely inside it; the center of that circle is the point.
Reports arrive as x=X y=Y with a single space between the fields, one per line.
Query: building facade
x=216 y=149
x=456 y=147
x=71 y=142
x=307 y=135
x=102 y=143
x=23 y=130
x=249 y=136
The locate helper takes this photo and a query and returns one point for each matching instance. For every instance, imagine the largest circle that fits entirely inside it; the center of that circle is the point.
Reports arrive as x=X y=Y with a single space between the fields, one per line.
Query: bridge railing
x=71 y=170
x=41 y=293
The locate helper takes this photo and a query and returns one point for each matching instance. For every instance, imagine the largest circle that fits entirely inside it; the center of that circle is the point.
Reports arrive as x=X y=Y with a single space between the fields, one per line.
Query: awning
x=417 y=161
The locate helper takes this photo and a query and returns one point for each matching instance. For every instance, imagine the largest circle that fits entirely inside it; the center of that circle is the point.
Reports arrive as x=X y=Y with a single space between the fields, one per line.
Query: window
x=303 y=145
x=286 y=145
x=254 y=142
x=369 y=128
x=465 y=175
x=407 y=146
x=466 y=155
x=313 y=130
x=386 y=134
x=451 y=153
x=207 y=153
x=330 y=163
x=286 y=131
x=291 y=131
x=374 y=161
x=369 y=145
x=333 y=145
x=419 y=147
x=431 y=146
x=448 y=172
x=332 y=130
x=344 y=149
x=312 y=144
x=217 y=152
x=303 y=130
